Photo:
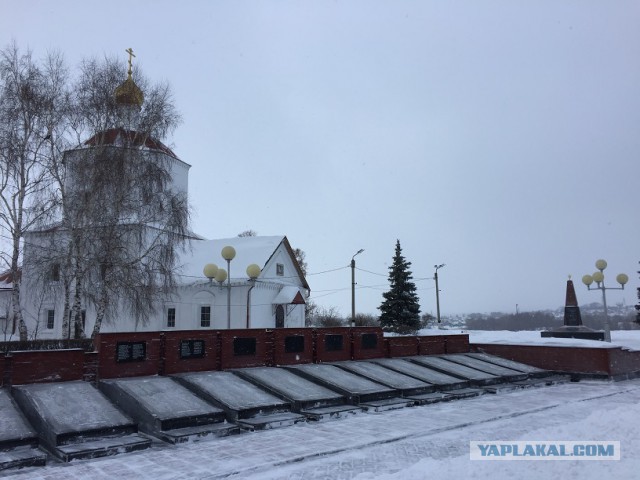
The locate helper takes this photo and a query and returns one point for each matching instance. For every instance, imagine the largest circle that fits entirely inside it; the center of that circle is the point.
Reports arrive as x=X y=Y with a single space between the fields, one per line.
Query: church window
x=51 y=316
x=171 y=317
x=104 y=269
x=280 y=269
x=55 y=272
x=205 y=316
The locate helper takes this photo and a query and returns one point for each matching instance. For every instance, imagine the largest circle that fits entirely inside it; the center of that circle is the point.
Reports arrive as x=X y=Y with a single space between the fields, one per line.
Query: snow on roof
x=249 y=250
x=121 y=137
x=289 y=294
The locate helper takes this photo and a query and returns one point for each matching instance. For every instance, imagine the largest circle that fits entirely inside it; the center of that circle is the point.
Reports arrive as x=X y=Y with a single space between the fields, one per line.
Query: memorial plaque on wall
x=192 y=349
x=369 y=341
x=294 y=344
x=333 y=343
x=244 y=346
x=131 y=351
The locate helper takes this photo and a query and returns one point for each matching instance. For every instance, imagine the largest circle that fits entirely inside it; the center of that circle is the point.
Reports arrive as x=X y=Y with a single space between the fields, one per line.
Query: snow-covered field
x=619 y=338
x=428 y=442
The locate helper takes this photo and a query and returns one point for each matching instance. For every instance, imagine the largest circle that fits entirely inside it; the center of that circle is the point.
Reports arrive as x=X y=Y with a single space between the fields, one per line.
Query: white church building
x=271 y=293
x=275 y=298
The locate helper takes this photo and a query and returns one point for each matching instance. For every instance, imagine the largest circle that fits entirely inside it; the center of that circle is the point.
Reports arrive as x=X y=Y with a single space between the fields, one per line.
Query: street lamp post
x=598 y=277
x=353 y=287
x=212 y=272
x=435 y=277
x=228 y=253
x=253 y=271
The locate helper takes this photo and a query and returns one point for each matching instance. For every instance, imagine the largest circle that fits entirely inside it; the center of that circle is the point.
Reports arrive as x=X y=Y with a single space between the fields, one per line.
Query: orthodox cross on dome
x=131 y=56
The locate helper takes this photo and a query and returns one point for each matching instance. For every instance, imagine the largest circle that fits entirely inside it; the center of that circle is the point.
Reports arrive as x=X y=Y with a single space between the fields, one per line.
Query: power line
x=372 y=273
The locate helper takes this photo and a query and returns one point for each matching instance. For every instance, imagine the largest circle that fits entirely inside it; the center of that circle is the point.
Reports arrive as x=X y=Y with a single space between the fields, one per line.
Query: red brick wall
x=431 y=345
x=173 y=363
x=562 y=359
x=324 y=355
x=441 y=344
x=456 y=343
x=361 y=353
x=110 y=368
x=623 y=362
x=163 y=354
x=2 y=368
x=263 y=353
x=401 y=346
x=281 y=356
x=44 y=366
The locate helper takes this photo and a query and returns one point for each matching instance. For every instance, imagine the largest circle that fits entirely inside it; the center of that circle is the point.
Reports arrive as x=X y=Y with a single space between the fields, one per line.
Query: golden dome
x=128 y=93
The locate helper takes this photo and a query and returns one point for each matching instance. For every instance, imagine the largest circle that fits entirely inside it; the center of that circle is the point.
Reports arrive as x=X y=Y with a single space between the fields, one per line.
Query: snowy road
x=413 y=443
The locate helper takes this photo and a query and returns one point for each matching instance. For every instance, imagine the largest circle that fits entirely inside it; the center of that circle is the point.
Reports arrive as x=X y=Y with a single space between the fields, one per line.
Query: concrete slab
x=102 y=447
x=504 y=387
x=300 y=392
x=508 y=373
x=405 y=384
x=544 y=381
x=429 y=398
x=21 y=457
x=333 y=412
x=475 y=377
x=74 y=419
x=520 y=367
x=271 y=420
x=357 y=389
x=466 y=392
x=198 y=432
x=441 y=380
x=64 y=410
x=238 y=397
x=245 y=404
x=387 y=404
x=164 y=398
x=166 y=409
x=14 y=427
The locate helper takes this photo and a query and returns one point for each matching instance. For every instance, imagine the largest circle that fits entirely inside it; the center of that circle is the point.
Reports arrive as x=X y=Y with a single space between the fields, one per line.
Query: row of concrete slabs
x=77 y=420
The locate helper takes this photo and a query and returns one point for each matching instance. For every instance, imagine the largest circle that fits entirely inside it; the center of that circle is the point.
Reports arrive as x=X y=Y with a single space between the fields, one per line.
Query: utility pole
x=437 y=267
x=353 y=287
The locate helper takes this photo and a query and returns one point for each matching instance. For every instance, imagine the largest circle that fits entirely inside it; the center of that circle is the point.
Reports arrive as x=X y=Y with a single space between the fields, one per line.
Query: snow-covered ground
x=629 y=339
x=412 y=443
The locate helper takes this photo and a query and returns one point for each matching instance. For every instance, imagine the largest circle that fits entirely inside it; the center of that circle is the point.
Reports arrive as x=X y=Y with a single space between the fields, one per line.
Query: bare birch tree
x=70 y=152
x=126 y=225
x=31 y=98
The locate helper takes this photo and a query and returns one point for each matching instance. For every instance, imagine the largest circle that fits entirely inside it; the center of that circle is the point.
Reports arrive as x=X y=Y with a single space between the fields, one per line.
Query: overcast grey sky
x=501 y=138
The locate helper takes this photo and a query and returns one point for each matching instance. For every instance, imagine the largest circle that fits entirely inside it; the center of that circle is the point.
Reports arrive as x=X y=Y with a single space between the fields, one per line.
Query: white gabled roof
x=249 y=250
x=288 y=295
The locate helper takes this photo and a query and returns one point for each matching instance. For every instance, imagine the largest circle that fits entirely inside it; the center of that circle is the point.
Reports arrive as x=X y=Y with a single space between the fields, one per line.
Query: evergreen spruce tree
x=400 y=308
